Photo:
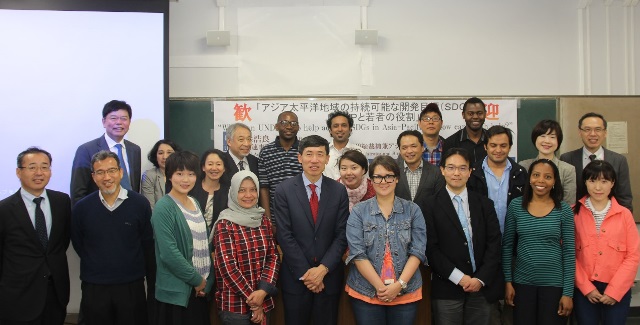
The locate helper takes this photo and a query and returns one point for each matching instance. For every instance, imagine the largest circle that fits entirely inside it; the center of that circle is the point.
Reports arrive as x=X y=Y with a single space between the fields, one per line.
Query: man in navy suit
x=311 y=218
x=593 y=131
x=116 y=118
x=34 y=237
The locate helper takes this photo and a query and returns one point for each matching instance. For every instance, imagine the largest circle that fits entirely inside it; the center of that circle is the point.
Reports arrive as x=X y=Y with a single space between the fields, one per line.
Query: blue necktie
x=41 y=224
x=465 y=227
x=125 y=182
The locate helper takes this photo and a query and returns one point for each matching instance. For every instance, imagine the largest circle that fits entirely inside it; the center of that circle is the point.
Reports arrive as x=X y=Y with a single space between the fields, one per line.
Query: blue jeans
x=369 y=314
x=588 y=313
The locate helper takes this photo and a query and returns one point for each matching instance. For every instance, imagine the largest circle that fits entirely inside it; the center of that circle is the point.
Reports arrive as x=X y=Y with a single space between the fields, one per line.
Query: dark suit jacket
x=305 y=244
x=233 y=168
x=447 y=246
x=619 y=163
x=81 y=182
x=25 y=266
x=431 y=182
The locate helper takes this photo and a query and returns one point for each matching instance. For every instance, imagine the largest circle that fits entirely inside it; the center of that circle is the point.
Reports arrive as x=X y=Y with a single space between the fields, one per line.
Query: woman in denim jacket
x=387 y=242
x=606 y=250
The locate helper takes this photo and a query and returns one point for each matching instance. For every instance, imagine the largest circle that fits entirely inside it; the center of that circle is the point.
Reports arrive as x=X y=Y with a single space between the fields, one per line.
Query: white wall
x=427 y=48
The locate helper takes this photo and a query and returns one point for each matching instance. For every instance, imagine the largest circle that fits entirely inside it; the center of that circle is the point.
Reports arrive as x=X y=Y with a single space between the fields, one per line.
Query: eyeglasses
x=430 y=119
x=452 y=168
x=34 y=168
x=589 y=130
x=377 y=179
x=286 y=123
x=110 y=172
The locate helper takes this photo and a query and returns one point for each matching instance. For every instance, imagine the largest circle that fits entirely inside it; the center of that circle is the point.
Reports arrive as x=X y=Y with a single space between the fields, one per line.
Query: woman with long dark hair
x=539 y=233
x=606 y=250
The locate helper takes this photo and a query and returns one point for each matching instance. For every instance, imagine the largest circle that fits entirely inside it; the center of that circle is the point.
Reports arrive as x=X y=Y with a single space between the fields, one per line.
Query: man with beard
x=111 y=232
x=278 y=160
x=340 y=125
x=472 y=138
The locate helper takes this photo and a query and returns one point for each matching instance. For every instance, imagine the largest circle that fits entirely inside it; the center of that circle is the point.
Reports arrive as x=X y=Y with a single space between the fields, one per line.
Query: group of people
x=501 y=238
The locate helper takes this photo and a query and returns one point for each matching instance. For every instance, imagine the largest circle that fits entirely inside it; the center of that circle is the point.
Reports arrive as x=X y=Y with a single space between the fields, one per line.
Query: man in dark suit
x=239 y=157
x=34 y=237
x=311 y=218
x=116 y=118
x=463 y=247
x=593 y=131
x=418 y=178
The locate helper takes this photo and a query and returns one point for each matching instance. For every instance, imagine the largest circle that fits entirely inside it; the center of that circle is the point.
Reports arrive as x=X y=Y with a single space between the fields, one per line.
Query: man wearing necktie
x=239 y=156
x=593 y=132
x=311 y=217
x=116 y=119
x=34 y=237
x=463 y=247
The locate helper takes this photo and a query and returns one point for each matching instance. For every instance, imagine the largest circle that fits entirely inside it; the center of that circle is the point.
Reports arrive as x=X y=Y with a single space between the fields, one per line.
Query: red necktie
x=314 y=202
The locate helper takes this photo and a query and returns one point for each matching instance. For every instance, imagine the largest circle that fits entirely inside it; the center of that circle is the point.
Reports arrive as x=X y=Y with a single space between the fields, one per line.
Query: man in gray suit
x=116 y=118
x=418 y=178
x=593 y=131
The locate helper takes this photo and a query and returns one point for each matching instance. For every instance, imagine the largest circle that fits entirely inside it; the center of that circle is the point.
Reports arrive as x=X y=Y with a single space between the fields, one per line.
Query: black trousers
x=114 y=304
x=537 y=305
x=52 y=314
x=302 y=309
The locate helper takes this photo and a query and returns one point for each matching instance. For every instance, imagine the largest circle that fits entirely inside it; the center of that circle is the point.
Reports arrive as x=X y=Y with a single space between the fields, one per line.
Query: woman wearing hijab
x=245 y=256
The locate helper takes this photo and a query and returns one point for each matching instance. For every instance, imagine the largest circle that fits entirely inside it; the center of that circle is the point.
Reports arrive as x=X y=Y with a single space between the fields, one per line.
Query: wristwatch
x=403 y=284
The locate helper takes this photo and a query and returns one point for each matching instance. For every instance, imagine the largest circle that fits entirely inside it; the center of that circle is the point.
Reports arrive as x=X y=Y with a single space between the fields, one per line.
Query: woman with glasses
x=154 y=180
x=539 y=233
x=353 y=168
x=606 y=250
x=547 y=137
x=463 y=247
x=387 y=241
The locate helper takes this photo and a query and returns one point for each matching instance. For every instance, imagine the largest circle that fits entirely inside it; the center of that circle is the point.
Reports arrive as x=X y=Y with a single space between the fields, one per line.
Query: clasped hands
x=596 y=297
x=470 y=284
x=313 y=278
x=255 y=301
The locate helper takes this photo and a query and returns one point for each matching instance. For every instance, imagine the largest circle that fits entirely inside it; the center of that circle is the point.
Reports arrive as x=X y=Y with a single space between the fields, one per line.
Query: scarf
x=251 y=217
x=356 y=194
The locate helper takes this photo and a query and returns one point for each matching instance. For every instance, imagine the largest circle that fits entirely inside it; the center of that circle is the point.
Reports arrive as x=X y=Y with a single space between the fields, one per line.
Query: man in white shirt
x=116 y=118
x=340 y=125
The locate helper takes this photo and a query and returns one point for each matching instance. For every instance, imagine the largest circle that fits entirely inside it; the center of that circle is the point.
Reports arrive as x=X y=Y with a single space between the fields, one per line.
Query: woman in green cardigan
x=183 y=254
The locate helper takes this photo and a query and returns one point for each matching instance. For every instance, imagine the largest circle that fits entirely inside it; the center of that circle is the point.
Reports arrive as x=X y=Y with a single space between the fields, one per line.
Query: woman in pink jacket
x=606 y=250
